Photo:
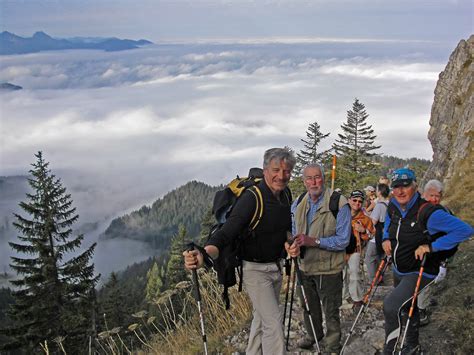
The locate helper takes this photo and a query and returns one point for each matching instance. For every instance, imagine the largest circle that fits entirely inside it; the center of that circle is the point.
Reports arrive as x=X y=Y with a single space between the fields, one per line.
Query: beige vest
x=318 y=261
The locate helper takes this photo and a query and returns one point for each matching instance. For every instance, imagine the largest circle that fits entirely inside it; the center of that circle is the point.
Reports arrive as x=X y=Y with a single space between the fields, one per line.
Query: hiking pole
x=288 y=274
x=413 y=301
x=291 y=308
x=197 y=296
x=308 y=311
x=333 y=172
x=368 y=296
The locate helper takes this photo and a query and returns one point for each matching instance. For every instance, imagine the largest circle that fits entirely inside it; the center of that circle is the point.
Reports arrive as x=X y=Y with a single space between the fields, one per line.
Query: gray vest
x=318 y=261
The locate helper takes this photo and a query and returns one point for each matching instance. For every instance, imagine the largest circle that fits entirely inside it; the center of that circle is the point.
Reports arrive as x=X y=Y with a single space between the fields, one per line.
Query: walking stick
x=197 y=296
x=288 y=274
x=333 y=172
x=368 y=296
x=413 y=301
x=300 y=282
x=291 y=308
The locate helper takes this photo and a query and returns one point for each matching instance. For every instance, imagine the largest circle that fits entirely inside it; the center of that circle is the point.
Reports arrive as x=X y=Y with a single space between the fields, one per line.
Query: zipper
x=396 y=247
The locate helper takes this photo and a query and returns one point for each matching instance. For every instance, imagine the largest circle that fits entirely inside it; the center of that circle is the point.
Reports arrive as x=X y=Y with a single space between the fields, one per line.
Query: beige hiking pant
x=262 y=282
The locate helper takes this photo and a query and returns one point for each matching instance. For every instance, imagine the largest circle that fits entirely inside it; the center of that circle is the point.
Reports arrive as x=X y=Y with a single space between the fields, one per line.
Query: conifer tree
x=310 y=153
x=115 y=309
x=54 y=296
x=355 y=145
x=175 y=271
x=154 y=282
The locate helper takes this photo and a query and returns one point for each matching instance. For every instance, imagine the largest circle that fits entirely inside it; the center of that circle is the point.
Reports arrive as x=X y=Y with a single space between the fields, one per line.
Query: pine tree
x=175 y=271
x=310 y=154
x=355 y=145
x=55 y=287
x=114 y=305
x=154 y=282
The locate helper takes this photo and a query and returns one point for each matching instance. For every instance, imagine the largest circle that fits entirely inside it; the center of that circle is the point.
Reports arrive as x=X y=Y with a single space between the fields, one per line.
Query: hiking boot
x=411 y=350
x=357 y=304
x=424 y=318
x=306 y=343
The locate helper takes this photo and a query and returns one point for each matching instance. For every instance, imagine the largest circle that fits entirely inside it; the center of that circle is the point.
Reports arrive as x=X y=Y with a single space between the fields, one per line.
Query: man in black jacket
x=262 y=250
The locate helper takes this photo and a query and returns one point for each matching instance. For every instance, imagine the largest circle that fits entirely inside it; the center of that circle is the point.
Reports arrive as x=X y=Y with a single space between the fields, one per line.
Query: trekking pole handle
x=197 y=292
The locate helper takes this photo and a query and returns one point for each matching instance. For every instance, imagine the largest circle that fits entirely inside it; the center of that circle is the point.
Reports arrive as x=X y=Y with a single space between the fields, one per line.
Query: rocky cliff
x=451 y=130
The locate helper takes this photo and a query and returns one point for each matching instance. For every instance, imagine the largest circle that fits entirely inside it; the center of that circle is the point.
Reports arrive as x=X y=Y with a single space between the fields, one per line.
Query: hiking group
x=324 y=235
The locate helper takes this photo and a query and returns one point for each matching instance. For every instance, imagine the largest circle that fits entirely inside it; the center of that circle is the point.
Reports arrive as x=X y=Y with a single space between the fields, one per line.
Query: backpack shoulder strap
x=334 y=203
x=300 y=198
x=425 y=211
x=257 y=216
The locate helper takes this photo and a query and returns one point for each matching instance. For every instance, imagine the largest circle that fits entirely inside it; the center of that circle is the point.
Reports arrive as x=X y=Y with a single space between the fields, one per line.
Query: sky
x=224 y=81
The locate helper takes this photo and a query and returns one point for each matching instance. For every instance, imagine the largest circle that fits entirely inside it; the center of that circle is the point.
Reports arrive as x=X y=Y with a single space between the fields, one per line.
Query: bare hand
x=359 y=227
x=293 y=250
x=387 y=247
x=421 y=250
x=192 y=259
x=304 y=240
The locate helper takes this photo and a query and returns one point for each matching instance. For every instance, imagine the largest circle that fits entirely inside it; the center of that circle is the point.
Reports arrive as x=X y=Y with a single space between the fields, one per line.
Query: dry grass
x=182 y=333
x=179 y=331
x=454 y=316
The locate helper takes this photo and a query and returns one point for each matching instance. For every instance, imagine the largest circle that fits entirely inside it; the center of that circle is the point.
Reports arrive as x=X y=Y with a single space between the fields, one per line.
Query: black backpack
x=424 y=213
x=229 y=260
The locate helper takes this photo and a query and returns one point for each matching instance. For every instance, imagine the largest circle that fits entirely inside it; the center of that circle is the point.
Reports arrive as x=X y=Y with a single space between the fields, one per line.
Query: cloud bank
x=122 y=129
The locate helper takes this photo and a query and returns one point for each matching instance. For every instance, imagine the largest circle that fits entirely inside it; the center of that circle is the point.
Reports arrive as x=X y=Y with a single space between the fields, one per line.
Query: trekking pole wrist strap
x=208 y=261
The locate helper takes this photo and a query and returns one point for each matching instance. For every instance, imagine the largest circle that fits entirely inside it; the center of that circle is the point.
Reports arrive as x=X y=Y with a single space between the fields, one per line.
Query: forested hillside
x=157 y=224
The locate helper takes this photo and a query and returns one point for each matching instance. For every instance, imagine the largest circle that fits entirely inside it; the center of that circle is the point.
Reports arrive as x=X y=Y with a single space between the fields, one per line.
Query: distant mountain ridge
x=9 y=87
x=40 y=41
x=156 y=225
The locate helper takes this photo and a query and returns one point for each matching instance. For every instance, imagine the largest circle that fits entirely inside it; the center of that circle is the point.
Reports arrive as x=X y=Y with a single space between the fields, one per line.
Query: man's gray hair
x=280 y=155
x=434 y=184
x=316 y=166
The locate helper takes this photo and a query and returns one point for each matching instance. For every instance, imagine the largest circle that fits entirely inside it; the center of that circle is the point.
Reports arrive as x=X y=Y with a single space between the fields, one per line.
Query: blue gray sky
x=157 y=20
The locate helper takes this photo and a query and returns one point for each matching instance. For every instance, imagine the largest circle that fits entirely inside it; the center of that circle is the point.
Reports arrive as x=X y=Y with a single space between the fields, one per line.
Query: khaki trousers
x=262 y=282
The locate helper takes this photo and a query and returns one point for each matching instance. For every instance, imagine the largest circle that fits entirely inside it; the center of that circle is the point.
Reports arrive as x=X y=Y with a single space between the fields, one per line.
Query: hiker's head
x=384 y=180
x=369 y=190
x=356 y=200
x=383 y=190
x=277 y=166
x=403 y=185
x=433 y=191
x=313 y=180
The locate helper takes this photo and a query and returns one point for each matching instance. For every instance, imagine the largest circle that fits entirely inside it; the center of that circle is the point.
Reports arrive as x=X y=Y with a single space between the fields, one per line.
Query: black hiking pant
x=395 y=308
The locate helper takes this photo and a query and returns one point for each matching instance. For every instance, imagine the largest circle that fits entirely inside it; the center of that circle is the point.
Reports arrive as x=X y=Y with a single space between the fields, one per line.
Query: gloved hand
x=441 y=275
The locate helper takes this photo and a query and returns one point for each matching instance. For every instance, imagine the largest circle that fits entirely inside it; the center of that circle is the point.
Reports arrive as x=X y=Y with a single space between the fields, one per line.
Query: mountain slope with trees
x=157 y=224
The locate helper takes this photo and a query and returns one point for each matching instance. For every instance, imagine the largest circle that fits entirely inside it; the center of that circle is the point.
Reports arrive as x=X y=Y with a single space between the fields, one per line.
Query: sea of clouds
x=123 y=128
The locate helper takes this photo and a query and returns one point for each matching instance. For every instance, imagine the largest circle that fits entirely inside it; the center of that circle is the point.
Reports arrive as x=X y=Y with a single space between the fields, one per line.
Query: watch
x=317 y=242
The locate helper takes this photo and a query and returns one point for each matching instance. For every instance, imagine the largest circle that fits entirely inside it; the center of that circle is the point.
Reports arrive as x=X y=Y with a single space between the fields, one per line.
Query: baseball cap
x=357 y=193
x=403 y=177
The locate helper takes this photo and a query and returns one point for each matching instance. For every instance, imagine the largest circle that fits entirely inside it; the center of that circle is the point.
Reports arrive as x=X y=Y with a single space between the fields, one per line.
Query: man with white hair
x=433 y=192
x=261 y=250
x=324 y=234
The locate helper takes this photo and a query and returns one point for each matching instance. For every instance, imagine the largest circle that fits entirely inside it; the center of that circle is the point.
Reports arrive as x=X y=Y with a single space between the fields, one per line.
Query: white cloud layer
x=121 y=129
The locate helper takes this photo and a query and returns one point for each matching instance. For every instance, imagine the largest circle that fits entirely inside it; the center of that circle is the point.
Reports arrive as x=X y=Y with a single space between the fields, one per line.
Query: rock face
x=451 y=131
